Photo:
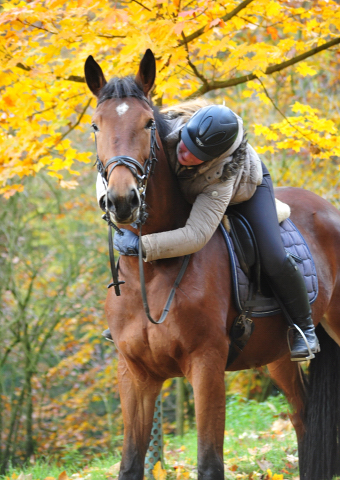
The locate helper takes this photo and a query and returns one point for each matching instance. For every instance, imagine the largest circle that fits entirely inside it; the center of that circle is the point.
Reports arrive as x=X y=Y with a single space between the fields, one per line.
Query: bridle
x=141 y=173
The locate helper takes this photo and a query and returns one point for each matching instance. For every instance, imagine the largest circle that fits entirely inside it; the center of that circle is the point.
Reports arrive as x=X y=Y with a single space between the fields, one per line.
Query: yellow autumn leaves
x=45 y=105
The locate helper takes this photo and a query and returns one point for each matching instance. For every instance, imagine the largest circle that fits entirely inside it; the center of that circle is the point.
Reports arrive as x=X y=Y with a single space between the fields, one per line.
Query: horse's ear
x=146 y=75
x=94 y=76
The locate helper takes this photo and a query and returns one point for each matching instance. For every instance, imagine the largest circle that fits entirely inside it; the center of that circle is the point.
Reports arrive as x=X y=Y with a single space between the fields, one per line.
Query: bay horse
x=194 y=340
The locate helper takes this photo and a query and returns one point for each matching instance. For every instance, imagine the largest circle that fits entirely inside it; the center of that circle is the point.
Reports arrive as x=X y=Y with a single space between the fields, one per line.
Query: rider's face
x=185 y=157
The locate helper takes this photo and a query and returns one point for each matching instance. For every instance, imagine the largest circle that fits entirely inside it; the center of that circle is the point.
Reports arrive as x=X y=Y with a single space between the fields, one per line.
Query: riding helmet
x=210 y=132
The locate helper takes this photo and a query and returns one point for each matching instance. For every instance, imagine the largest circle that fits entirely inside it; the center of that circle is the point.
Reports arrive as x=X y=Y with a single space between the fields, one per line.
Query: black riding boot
x=107 y=335
x=290 y=287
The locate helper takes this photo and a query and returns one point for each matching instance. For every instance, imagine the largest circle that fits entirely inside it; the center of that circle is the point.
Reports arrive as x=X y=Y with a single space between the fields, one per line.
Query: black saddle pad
x=294 y=244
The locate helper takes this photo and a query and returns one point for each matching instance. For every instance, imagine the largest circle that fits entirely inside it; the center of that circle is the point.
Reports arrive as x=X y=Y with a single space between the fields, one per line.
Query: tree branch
x=225 y=18
x=208 y=87
x=27 y=24
x=139 y=3
x=54 y=106
x=111 y=36
x=192 y=66
x=8 y=351
x=282 y=114
x=269 y=70
x=77 y=122
x=71 y=78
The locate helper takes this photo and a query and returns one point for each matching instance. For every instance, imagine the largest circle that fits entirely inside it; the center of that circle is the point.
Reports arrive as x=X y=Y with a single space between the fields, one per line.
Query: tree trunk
x=180 y=406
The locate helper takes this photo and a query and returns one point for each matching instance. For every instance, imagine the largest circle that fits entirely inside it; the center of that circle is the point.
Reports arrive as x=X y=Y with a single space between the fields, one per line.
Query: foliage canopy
x=253 y=53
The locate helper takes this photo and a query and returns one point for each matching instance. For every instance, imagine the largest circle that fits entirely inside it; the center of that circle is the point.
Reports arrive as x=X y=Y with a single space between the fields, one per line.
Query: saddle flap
x=243 y=243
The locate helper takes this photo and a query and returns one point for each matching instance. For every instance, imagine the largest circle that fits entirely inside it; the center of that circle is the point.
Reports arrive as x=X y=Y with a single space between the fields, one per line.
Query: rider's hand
x=126 y=244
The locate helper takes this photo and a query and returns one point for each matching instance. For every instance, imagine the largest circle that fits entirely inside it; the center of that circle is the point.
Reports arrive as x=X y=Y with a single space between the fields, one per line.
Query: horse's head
x=123 y=122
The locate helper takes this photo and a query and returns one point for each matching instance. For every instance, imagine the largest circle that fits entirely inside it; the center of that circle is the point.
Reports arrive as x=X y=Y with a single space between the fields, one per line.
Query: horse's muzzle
x=125 y=209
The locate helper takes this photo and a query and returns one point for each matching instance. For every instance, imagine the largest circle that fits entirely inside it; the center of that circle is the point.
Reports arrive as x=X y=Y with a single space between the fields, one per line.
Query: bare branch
x=225 y=18
x=53 y=106
x=8 y=351
x=71 y=78
x=269 y=70
x=23 y=67
x=139 y=3
x=77 y=122
x=111 y=36
x=27 y=24
x=192 y=66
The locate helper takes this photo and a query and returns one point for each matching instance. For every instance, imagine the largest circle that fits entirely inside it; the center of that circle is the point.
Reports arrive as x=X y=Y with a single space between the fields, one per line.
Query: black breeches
x=260 y=212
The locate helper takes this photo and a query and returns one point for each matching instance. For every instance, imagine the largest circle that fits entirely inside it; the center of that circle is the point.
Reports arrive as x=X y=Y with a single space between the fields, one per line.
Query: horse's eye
x=94 y=127
x=149 y=124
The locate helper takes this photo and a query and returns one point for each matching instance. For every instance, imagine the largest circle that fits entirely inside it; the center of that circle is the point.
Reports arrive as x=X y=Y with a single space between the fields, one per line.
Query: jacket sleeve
x=205 y=216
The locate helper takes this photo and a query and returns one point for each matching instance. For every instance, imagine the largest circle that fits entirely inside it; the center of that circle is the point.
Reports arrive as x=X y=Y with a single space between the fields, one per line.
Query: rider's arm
x=205 y=216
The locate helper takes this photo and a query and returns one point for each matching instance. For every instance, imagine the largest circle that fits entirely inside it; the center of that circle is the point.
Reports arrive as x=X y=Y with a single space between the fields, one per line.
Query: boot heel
x=310 y=355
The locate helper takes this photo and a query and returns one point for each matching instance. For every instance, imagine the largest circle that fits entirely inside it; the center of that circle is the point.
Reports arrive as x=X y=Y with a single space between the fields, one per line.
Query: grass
x=259 y=443
x=258 y=437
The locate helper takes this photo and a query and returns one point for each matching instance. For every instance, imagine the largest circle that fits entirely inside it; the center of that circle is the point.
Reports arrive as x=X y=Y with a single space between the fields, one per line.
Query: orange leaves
x=8 y=101
x=273 y=32
x=10 y=190
x=63 y=476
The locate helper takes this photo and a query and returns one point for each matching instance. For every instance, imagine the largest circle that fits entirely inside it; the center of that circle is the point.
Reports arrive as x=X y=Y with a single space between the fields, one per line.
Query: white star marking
x=122 y=108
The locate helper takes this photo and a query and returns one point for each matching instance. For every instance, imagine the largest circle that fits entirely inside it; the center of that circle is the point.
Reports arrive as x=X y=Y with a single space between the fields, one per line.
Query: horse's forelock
x=127 y=87
x=121 y=87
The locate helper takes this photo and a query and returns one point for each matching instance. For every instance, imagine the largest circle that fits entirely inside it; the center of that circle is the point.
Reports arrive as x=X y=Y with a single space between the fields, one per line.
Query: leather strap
x=114 y=269
x=143 y=288
x=129 y=162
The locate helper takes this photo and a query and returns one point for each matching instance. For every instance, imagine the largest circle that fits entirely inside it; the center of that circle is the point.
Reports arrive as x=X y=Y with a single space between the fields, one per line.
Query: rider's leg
x=284 y=275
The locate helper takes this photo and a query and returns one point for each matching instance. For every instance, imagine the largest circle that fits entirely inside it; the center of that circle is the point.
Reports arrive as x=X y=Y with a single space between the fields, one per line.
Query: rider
x=216 y=167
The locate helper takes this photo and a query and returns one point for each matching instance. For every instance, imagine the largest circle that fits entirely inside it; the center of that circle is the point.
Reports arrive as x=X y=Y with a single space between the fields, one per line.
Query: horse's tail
x=319 y=450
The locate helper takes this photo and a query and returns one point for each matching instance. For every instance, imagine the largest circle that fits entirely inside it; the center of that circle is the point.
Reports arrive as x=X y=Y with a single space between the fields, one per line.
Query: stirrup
x=310 y=353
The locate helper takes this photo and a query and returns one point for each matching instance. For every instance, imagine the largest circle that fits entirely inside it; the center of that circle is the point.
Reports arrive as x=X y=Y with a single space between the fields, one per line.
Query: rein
x=143 y=289
x=146 y=171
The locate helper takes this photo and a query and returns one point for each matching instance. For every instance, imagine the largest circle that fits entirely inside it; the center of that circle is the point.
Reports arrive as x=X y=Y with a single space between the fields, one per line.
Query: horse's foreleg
x=288 y=377
x=207 y=379
x=138 y=394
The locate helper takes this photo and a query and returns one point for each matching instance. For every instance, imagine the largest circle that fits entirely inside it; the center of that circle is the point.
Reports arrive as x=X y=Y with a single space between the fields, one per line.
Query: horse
x=194 y=340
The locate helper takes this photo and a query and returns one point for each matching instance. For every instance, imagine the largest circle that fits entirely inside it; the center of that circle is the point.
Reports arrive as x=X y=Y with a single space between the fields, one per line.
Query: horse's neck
x=166 y=206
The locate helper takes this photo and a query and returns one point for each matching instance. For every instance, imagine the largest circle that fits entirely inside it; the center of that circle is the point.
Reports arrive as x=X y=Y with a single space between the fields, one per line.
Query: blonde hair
x=185 y=109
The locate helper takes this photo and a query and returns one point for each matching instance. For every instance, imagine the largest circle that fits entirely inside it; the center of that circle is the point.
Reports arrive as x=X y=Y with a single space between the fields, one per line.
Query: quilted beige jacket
x=210 y=188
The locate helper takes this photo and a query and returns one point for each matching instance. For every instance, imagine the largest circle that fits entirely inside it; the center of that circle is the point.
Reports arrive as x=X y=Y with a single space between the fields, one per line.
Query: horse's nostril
x=102 y=203
x=110 y=202
x=134 y=198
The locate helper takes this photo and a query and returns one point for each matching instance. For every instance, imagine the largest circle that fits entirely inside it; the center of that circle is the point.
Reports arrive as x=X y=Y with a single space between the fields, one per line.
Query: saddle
x=253 y=296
